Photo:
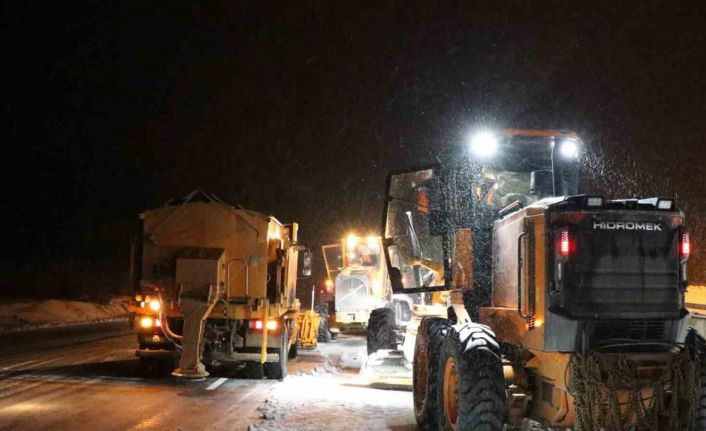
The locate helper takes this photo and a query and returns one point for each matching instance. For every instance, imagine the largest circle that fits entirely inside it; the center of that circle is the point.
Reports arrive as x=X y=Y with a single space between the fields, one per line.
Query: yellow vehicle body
x=237 y=267
x=564 y=307
x=308 y=322
x=358 y=272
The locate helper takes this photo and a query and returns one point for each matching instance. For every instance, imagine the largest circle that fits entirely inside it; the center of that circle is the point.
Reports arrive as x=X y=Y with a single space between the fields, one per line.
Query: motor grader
x=565 y=308
x=357 y=271
x=215 y=286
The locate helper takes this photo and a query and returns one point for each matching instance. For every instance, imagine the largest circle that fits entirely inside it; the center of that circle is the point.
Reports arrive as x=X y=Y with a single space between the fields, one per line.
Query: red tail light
x=684 y=246
x=564 y=243
x=257 y=325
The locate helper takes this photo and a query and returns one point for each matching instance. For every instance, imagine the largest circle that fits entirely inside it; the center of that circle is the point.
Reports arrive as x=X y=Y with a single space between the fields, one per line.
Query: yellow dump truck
x=215 y=286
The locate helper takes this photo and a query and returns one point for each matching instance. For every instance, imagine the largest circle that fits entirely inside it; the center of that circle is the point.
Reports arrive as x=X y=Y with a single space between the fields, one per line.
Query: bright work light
x=484 y=144
x=569 y=149
x=352 y=240
x=665 y=204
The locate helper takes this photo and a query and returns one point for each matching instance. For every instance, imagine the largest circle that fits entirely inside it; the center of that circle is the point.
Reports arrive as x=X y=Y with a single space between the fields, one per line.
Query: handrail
x=515 y=206
x=520 y=263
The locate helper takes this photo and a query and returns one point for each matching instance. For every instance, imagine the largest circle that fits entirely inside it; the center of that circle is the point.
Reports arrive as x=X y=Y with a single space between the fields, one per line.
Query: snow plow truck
x=215 y=287
x=565 y=308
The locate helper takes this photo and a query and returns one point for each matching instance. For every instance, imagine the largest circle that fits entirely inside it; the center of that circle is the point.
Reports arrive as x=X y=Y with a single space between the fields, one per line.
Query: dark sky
x=300 y=110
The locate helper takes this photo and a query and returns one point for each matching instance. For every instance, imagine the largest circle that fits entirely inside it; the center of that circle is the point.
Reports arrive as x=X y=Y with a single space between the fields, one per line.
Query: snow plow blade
x=387 y=368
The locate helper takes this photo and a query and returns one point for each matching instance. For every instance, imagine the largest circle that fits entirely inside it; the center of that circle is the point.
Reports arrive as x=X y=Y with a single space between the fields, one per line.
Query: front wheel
x=380 y=333
x=471 y=391
x=323 y=335
x=430 y=335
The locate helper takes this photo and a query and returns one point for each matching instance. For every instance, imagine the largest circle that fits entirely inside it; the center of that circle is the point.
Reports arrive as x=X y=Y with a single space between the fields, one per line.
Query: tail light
x=146 y=322
x=684 y=246
x=257 y=325
x=564 y=243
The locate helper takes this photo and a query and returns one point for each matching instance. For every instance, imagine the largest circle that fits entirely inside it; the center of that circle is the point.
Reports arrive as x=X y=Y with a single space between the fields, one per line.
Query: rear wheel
x=294 y=350
x=426 y=358
x=381 y=330
x=278 y=370
x=324 y=334
x=471 y=389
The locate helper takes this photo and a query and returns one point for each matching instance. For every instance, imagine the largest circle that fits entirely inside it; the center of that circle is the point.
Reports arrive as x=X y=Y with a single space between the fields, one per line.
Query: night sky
x=299 y=110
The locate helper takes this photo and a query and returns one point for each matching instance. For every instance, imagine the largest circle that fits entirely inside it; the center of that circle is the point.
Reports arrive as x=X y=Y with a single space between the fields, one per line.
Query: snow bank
x=333 y=402
x=352 y=359
x=696 y=299
x=55 y=312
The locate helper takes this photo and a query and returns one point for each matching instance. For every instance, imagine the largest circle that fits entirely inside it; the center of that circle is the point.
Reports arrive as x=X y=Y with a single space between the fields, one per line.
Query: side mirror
x=306 y=262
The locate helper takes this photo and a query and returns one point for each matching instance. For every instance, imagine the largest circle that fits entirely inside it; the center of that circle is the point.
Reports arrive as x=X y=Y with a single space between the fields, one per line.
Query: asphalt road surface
x=84 y=380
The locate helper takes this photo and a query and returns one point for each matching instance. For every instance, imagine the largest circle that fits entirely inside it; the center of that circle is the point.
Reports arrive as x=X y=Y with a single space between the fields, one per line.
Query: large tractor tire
x=278 y=370
x=324 y=334
x=427 y=345
x=294 y=350
x=381 y=330
x=697 y=342
x=471 y=386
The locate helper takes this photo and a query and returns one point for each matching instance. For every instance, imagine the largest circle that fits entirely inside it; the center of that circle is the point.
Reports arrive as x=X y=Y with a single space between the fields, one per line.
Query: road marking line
x=217 y=383
x=19 y=365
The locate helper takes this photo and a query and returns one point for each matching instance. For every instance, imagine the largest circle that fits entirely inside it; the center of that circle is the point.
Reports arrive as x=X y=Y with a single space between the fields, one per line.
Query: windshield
x=363 y=252
x=333 y=259
x=509 y=178
x=417 y=248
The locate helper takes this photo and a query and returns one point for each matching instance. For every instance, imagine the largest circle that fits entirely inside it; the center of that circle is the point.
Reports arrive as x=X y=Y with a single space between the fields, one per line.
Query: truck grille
x=638 y=330
x=351 y=293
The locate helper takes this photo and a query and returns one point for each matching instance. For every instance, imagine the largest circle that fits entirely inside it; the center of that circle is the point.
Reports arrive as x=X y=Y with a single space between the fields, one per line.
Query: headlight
x=484 y=144
x=146 y=322
x=665 y=204
x=352 y=241
x=569 y=148
x=155 y=304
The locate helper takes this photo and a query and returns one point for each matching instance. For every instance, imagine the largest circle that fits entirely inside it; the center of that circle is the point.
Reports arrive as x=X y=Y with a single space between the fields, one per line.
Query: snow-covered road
x=91 y=381
x=332 y=396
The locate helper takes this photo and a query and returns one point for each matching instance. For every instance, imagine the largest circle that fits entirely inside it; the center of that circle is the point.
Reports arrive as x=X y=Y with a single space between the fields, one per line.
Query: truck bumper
x=239 y=357
x=353 y=318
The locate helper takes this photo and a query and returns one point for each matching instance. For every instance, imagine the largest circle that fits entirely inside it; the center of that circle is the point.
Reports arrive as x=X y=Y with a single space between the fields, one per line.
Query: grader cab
x=357 y=269
x=565 y=308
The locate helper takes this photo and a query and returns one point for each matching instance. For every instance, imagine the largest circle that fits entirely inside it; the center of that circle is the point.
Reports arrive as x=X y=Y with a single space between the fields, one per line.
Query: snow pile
x=333 y=402
x=25 y=314
x=696 y=299
x=352 y=359
x=330 y=397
